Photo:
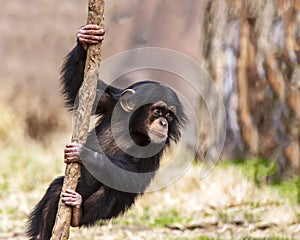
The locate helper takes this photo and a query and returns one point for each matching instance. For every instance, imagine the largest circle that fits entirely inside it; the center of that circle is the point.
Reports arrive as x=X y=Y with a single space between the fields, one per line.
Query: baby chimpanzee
x=122 y=153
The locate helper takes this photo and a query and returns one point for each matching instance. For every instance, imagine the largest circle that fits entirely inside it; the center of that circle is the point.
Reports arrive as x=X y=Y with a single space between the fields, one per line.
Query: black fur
x=101 y=201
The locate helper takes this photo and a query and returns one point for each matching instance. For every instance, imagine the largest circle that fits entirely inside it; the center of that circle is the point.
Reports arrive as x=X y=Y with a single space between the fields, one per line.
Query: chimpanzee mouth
x=157 y=137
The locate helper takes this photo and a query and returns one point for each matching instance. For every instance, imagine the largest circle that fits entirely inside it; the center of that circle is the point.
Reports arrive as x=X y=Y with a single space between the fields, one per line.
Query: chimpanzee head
x=156 y=113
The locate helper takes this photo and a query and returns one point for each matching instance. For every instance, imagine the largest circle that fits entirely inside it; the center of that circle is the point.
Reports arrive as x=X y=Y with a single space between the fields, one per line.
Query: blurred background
x=252 y=51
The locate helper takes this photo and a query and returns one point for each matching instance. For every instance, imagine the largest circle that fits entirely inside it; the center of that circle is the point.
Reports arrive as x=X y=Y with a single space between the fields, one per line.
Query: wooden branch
x=81 y=120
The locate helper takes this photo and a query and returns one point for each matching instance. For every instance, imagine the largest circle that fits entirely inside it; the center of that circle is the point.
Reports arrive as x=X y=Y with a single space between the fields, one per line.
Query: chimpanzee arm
x=117 y=173
x=112 y=172
x=72 y=78
x=73 y=73
x=73 y=67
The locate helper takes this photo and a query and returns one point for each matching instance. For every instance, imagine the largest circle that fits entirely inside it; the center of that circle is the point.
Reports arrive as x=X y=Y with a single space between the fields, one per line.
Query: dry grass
x=226 y=204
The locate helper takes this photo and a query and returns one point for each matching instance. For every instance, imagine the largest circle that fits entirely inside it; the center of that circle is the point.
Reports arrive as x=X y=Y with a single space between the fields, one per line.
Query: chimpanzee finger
x=91 y=39
x=71 y=198
x=67 y=195
x=72 y=193
x=70 y=201
x=72 y=153
x=70 y=148
x=98 y=32
x=92 y=27
x=86 y=37
x=72 y=160
x=72 y=144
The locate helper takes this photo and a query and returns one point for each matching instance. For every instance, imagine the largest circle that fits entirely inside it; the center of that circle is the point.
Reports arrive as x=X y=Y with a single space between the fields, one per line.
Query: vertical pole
x=81 y=120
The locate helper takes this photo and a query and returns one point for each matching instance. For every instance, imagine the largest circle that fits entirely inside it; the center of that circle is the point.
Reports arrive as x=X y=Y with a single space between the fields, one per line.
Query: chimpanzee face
x=160 y=116
x=151 y=123
x=155 y=120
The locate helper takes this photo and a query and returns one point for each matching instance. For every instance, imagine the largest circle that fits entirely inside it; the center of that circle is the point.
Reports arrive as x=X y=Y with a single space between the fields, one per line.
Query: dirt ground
x=235 y=209
x=224 y=205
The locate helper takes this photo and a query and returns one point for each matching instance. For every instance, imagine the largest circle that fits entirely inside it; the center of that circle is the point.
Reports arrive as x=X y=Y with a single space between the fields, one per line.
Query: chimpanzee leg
x=106 y=203
x=42 y=218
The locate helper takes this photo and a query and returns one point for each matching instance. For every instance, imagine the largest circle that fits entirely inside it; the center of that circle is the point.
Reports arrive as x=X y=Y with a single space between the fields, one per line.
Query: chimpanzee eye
x=156 y=112
x=169 y=116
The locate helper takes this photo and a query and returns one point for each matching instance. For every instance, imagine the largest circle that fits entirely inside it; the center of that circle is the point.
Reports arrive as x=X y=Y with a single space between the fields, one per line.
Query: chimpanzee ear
x=173 y=109
x=126 y=103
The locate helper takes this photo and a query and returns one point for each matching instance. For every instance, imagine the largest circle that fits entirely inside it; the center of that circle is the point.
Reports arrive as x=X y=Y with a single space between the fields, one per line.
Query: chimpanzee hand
x=72 y=198
x=90 y=34
x=72 y=151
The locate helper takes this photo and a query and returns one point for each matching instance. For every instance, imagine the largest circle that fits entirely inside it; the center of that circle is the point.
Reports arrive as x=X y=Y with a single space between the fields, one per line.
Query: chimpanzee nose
x=163 y=122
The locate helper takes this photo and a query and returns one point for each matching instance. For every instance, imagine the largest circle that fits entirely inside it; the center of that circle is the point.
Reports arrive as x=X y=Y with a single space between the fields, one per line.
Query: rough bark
x=248 y=129
x=81 y=120
x=260 y=82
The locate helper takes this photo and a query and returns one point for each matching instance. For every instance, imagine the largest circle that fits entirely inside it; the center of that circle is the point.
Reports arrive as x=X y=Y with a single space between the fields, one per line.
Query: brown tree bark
x=260 y=81
x=81 y=120
x=248 y=129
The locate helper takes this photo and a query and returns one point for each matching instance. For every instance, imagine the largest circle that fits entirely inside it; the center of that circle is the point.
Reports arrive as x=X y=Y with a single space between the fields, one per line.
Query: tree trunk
x=81 y=120
x=258 y=51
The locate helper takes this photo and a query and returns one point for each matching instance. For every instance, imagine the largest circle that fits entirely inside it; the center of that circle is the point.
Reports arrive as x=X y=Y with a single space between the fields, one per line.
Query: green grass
x=259 y=170
x=207 y=238
x=246 y=238
x=271 y=238
x=22 y=170
x=169 y=217
x=198 y=238
x=255 y=169
x=289 y=189
x=150 y=218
